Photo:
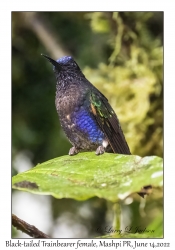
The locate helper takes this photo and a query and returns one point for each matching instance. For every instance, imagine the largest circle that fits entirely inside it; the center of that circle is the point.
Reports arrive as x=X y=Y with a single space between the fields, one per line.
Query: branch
x=44 y=31
x=27 y=228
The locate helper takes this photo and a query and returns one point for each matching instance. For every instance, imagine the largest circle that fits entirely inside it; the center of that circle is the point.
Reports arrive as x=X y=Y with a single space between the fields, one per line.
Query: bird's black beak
x=53 y=62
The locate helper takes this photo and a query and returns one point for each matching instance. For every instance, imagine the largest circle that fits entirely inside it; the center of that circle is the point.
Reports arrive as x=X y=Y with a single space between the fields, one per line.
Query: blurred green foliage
x=122 y=55
x=133 y=79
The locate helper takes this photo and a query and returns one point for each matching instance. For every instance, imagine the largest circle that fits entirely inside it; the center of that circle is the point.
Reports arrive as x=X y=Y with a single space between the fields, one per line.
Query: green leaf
x=109 y=176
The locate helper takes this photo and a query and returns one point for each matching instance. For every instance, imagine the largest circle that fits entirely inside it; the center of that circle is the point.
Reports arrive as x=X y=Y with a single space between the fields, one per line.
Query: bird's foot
x=100 y=150
x=73 y=151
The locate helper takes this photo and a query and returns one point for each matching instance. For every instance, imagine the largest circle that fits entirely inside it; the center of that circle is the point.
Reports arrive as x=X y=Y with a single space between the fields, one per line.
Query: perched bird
x=86 y=116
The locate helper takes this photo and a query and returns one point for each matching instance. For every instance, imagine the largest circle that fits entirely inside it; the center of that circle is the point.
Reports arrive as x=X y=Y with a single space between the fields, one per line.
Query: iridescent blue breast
x=87 y=124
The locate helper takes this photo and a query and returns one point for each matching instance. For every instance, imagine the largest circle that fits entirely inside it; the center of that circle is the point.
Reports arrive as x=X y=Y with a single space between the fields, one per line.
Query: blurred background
x=121 y=53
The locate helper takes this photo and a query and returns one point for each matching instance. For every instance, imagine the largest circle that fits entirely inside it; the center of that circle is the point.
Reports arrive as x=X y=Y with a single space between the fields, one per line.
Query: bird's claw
x=73 y=151
x=100 y=150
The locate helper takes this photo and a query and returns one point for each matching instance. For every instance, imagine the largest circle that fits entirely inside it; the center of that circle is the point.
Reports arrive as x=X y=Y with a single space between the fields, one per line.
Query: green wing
x=109 y=123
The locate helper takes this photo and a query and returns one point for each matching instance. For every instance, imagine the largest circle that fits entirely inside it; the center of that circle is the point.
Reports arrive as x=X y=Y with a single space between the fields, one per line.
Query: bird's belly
x=82 y=129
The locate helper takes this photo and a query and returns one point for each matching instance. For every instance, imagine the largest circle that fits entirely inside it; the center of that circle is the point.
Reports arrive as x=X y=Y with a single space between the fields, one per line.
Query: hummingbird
x=87 y=118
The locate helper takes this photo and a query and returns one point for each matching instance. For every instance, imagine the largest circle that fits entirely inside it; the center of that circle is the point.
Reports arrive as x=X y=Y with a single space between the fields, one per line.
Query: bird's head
x=64 y=64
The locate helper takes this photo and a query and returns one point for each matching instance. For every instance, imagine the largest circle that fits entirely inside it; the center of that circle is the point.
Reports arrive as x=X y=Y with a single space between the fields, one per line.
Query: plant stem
x=117 y=216
x=27 y=228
